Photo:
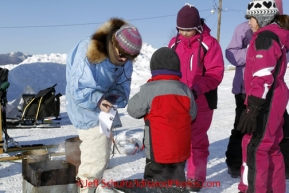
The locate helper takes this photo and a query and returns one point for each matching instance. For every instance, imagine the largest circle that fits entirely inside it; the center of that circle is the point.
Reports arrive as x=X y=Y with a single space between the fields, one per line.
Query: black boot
x=235 y=173
x=194 y=185
x=176 y=189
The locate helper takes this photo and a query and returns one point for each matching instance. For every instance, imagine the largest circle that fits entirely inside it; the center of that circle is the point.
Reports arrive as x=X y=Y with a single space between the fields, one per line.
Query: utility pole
x=219 y=20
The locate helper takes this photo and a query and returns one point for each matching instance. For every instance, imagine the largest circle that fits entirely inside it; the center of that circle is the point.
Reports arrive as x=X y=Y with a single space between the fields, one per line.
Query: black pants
x=284 y=144
x=165 y=172
x=234 y=149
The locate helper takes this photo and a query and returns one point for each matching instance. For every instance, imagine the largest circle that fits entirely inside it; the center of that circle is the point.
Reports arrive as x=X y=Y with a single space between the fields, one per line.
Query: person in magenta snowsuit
x=236 y=55
x=267 y=95
x=202 y=68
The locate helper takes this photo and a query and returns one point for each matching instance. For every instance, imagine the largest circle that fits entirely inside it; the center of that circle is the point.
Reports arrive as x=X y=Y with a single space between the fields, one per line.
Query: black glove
x=112 y=98
x=195 y=94
x=248 y=118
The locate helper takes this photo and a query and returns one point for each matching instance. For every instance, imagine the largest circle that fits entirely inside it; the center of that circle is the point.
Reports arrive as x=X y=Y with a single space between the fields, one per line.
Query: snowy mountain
x=13 y=58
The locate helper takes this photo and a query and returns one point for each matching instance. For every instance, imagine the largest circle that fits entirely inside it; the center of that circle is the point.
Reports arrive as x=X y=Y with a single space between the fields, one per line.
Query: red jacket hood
x=283 y=34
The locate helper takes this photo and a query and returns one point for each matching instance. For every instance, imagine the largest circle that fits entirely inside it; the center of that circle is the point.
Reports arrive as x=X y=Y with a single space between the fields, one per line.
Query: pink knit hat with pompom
x=129 y=39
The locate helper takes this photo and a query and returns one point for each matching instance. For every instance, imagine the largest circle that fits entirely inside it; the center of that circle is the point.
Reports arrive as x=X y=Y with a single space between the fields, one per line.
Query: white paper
x=105 y=121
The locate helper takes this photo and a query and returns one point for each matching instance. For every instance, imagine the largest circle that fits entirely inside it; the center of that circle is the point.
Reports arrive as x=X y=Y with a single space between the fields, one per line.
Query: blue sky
x=155 y=19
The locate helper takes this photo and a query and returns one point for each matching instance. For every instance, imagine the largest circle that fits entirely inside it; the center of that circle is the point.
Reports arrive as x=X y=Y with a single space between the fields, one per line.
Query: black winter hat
x=165 y=58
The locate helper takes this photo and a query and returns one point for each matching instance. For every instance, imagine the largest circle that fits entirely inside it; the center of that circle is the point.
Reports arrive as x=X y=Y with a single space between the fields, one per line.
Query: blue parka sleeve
x=80 y=79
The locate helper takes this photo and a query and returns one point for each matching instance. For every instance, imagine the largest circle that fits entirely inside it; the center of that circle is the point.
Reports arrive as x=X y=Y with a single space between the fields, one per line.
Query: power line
x=234 y=10
x=216 y=7
x=214 y=24
x=40 y=26
x=208 y=16
x=79 y=24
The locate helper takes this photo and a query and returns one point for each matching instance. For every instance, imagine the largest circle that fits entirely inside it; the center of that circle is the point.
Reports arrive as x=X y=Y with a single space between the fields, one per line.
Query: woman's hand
x=105 y=105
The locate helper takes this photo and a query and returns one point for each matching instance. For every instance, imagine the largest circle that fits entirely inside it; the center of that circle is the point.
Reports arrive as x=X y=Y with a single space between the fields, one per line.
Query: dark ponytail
x=282 y=21
x=202 y=21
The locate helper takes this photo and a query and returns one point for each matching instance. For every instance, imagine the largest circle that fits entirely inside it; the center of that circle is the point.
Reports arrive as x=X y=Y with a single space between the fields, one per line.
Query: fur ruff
x=97 y=50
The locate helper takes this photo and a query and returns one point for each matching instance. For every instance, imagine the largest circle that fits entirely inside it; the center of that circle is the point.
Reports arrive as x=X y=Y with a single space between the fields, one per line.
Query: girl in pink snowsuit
x=202 y=68
x=267 y=95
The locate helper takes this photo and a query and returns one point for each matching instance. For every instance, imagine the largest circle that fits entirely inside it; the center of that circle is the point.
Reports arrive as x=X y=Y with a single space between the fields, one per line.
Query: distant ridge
x=13 y=58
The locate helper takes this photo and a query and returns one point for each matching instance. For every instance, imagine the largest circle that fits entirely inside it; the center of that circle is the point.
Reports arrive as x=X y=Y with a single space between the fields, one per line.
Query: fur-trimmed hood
x=97 y=50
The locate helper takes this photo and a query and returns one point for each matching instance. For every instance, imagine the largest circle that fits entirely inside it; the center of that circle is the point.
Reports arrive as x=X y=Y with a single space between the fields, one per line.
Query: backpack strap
x=175 y=45
x=205 y=52
x=212 y=95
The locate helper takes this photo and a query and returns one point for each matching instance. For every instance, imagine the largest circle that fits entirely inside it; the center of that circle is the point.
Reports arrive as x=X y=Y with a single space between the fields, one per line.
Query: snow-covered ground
x=39 y=72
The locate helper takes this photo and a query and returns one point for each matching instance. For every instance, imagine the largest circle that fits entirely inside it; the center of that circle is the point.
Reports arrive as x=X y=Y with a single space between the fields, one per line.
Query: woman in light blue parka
x=98 y=75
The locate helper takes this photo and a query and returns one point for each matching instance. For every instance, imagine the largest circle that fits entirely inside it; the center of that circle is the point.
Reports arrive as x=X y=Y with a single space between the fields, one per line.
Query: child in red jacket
x=168 y=108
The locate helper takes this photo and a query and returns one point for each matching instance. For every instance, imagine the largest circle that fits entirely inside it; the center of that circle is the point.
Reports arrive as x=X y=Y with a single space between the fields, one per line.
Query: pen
x=106 y=105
